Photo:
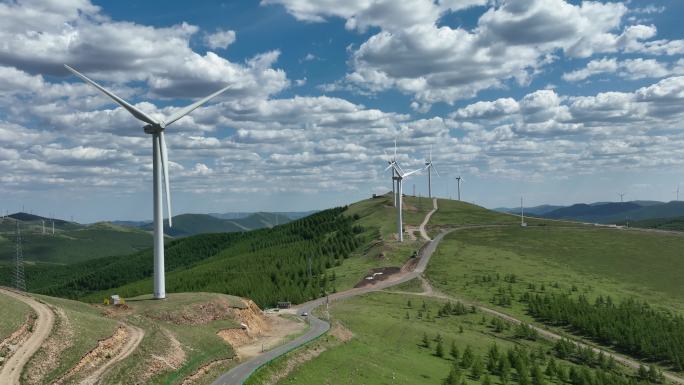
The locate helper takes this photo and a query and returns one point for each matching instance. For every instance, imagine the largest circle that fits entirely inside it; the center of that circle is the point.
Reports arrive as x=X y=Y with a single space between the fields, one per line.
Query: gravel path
x=10 y=373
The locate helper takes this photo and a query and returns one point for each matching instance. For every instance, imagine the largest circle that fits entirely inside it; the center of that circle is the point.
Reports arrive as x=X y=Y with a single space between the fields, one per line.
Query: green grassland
x=14 y=314
x=619 y=263
x=71 y=243
x=387 y=345
x=671 y=224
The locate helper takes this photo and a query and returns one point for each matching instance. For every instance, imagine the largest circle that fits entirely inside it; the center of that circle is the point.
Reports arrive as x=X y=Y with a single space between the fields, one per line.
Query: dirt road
x=135 y=335
x=424 y=233
x=10 y=372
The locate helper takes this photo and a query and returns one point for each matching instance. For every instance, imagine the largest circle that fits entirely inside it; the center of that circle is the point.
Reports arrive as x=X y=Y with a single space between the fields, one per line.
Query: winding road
x=240 y=373
x=10 y=373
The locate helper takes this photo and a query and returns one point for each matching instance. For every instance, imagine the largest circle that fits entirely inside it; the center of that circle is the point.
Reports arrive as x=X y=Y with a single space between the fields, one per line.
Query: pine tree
x=467 y=358
x=477 y=369
x=453 y=352
x=426 y=341
x=439 y=349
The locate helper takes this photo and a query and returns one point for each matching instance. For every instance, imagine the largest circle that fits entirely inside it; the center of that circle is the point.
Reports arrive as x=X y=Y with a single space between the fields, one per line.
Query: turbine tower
x=160 y=166
x=621 y=196
x=458 y=185
x=429 y=166
x=399 y=177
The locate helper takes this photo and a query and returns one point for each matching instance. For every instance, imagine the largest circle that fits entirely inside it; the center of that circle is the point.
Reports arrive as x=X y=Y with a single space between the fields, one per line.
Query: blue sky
x=562 y=102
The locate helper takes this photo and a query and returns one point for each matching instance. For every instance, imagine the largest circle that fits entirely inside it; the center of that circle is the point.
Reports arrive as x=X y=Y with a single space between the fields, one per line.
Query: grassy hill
x=191 y=224
x=670 y=224
x=72 y=242
x=615 y=212
x=180 y=337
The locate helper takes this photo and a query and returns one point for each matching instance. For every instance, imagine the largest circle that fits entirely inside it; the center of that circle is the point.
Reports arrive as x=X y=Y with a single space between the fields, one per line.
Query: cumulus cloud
x=513 y=41
x=219 y=39
x=629 y=69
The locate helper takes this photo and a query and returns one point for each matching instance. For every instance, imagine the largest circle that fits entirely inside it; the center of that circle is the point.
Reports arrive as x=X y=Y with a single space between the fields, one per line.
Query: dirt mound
x=213 y=310
x=376 y=275
x=202 y=371
x=47 y=358
x=235 y=337
x=104 y=350
x=172 y=358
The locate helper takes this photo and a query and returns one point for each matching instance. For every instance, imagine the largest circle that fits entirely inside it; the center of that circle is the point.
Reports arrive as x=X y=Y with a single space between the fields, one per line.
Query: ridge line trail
x=10 y=373
x=424 y=233
x=135 y=335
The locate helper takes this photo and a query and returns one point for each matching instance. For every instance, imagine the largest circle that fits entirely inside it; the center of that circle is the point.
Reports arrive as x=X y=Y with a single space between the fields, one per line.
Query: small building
x=115 y=300
x=284 y=305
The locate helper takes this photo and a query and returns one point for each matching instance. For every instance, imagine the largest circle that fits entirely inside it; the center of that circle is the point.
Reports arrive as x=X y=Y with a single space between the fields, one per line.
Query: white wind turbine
x=399 y=176
x=429 y=166
x=160 y=163
x=393 y=162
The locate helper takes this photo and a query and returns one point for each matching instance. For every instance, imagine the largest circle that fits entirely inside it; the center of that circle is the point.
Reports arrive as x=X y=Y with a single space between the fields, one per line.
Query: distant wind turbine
x=677 y=192
x=393 y=162
x=621 y=196
x=458 y=184
x=429 y=166
x=160 y=164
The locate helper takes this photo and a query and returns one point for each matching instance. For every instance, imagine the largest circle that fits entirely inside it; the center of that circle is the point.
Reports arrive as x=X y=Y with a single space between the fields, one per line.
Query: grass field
x=387 y=347
x=72 y=244
x=14 y=314
x=618 y=263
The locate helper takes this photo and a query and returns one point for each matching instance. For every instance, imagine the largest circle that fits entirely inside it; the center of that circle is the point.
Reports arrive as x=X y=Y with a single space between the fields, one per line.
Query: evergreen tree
x=426 y=341
x=467 y=358
x=453 y=351
x=477 y=368
x=439 y=349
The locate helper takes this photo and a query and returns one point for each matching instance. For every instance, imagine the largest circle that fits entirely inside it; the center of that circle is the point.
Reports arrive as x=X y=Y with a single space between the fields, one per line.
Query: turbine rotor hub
x=154 y=128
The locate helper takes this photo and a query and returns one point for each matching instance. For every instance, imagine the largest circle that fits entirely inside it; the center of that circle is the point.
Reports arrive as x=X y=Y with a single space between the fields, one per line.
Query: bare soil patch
x=47 y=358
x=377 y=275
x=172 y=358
x=272 y=332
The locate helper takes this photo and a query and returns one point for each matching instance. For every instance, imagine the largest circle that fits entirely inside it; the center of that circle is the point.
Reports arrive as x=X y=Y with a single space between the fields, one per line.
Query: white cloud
x=632 y=69
x=219 y=39
x=513 y=41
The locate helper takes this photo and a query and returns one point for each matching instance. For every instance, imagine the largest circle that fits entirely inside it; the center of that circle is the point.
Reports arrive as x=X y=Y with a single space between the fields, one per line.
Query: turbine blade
x=435 y=168
x=395 y=148
x=411 y=172
x=165 y=168
x=186 y=110
x=388 y=167
x=129 y=107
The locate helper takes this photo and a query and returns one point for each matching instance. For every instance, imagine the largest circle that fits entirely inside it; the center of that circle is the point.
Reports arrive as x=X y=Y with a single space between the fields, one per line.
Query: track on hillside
x=10 y=373
x=240 y=373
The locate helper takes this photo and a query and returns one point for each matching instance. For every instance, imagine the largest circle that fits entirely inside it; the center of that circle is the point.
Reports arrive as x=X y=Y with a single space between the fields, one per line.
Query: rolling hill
x=72 y=242
x=191 y=224
x=606 y=212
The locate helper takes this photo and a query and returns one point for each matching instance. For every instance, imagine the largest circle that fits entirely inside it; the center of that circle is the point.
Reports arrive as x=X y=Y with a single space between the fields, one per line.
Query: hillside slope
x=71 y=242
x=191 y=224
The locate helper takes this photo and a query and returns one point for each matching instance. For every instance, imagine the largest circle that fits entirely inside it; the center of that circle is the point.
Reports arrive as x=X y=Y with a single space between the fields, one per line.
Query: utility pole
x=414 y=189
x=19 y=280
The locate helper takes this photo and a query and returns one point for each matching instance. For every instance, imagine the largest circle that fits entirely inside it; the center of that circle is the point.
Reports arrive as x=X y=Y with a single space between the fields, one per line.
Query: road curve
x=10 y=372
x=240 y=373
x=135 y=335
x=424 y=233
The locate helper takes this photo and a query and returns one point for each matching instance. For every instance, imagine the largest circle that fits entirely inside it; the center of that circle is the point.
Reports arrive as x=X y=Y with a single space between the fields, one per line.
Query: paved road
x=11 y=370
x=240 y=373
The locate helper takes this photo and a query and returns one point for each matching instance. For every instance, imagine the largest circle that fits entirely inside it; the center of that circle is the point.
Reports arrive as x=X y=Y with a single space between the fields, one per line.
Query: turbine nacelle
x=154 y=128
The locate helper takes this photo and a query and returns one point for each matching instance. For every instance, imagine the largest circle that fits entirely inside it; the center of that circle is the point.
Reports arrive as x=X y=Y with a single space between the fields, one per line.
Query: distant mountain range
x=606 y=212
x=191 y=224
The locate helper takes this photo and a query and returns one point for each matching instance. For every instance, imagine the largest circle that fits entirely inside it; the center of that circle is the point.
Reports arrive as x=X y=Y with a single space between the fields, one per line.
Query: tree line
x=631 y=326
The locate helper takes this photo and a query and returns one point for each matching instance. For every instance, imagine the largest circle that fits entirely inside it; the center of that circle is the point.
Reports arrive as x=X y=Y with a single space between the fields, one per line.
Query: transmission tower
x=19 y=280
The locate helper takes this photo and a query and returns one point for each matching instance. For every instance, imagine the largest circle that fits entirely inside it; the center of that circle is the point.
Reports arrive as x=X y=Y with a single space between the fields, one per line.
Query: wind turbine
x=160 y=163
x=458 y=185
x=429 y=166
x=393 y=162
x=677 y=192
x=621 y=196
x=399 y=176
